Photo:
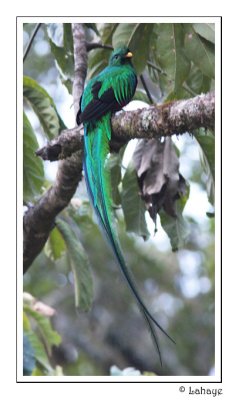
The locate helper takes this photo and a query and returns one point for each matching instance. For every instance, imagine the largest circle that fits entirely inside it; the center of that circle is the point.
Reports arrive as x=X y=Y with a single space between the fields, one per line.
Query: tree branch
x=29 y=45
x=96 y=45
x=63 y=146
x=39 y=219
x=80 y=60
x=176 y=117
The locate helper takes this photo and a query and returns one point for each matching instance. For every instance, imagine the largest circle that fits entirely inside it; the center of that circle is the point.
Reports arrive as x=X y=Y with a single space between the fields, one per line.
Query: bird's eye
x=116 y=57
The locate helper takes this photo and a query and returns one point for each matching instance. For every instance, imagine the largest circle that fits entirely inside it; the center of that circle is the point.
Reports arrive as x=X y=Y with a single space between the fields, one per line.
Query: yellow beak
x=129 y=55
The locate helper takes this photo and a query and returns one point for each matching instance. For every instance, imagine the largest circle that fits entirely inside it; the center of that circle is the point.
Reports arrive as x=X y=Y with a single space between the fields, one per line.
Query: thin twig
x=156 y=67
x=96 y=45
x=189 y=90
x=185 y=86
x=28 y=47
x=146 y=89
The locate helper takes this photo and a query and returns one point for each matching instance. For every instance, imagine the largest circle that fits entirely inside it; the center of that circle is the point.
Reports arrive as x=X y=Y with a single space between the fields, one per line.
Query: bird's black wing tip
x=78 y=118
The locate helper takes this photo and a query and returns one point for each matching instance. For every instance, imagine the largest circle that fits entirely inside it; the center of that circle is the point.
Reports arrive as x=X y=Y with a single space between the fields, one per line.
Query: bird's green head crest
x=120 y=56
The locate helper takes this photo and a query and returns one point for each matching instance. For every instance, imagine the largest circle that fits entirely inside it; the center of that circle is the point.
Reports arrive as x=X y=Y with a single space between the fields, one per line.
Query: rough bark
x=176 y=117
x=171 y=118
x=39 y=219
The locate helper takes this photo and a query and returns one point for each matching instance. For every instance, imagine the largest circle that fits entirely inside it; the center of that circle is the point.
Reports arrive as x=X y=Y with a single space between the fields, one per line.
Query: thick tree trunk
x=39 y=219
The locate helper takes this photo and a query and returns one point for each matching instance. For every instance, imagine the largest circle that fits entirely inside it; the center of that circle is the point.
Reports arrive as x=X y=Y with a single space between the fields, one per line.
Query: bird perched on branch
x=105 y=94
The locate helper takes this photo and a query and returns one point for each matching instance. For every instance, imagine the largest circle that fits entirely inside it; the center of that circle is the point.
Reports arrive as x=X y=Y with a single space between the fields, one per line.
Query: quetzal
x=105 y=94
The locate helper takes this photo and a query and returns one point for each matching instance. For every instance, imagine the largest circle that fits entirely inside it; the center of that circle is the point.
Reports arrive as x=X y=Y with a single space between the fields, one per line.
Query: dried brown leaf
x=157 y=166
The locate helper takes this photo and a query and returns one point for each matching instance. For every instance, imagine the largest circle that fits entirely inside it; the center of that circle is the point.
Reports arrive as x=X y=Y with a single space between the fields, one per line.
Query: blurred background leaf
x=28 y=356
x=42 y=105
x=55 y=245
x=200 y=51
x=61 y=42
x=33 y=171
x=207 y=31
x=38 y=340
x=132 y=35
x=133 y=207
x=80 y=267
x=206 y=141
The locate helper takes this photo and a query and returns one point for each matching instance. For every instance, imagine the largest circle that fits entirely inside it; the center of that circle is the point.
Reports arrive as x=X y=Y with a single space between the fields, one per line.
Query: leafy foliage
x=80 y=267
x=176 y=227
x=61 y=34
x=132 y=35
x=133 y=206
x=207 y=31
x=28 y=357
x=33 y=171
x=39 y=337
x=42 y=105
x=49 y=336
x=169 y=54
x=98 y=60
x=106 y=32
x=200 y=51
x=206 y=142
x=55 y=246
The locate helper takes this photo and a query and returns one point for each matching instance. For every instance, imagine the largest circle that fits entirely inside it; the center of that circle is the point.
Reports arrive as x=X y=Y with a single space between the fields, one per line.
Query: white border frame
x=163 y=379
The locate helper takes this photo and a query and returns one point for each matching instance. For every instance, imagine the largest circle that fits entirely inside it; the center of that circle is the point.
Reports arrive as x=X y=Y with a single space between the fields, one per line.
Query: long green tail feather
x=96 y=141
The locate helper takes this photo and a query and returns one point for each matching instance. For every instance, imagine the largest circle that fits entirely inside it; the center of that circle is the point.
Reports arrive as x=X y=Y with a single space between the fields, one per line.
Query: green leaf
x=207 y=157
x=39 y=350
x=148 y=373
x=56 y=33
x=93 y=27
x=131 y=35
x=43 y=105
x=207 y=31
x=170 y=56
x=176 y=228
x=107 y=32
x=97 y=61
x=26 y=323
x=55 y=245
x=33 y=172
x=198 y=82
x=80 y=267
x=28 y=356
x=163 y=85
x=49 y=336
x=132 y=204
x=207 y=144
x=68 y=40
x=38 y=371
x=63 y=53
x=200 y=51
